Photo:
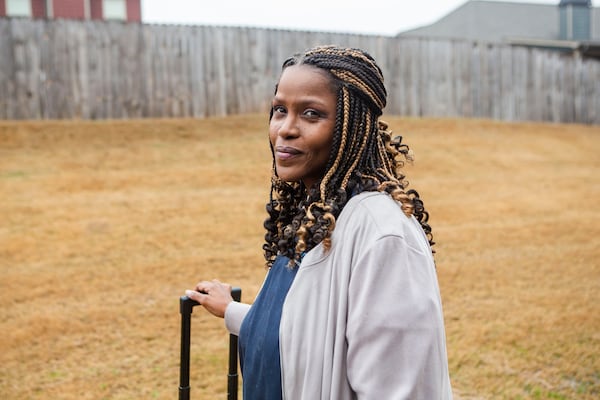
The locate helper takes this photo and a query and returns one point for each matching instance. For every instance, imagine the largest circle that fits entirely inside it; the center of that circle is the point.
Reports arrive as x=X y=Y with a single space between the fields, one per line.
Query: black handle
x=186 y=306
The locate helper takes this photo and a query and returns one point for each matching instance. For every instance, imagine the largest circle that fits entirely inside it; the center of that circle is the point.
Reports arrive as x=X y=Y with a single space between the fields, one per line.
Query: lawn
x=105 y=224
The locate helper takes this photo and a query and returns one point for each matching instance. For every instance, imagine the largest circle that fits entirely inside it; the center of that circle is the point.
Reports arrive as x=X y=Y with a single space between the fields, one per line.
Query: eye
x=279 y=109
x=312 y=114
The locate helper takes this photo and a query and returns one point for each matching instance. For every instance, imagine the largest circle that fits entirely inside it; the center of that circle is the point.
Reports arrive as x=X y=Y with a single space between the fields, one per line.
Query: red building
x=121 y=10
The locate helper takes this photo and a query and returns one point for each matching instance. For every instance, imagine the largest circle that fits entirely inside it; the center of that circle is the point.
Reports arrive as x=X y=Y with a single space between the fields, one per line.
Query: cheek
x=327 y=145
x=272 y=133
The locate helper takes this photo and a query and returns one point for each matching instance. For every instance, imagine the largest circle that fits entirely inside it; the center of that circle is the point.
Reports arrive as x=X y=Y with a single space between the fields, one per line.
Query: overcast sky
x=381 y=17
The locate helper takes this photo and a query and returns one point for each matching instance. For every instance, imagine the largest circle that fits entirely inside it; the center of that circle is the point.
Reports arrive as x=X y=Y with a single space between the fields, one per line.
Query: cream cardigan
x=364 y=319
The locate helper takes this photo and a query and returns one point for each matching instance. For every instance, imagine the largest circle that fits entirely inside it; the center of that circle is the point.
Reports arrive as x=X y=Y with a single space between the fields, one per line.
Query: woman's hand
x=213 y=295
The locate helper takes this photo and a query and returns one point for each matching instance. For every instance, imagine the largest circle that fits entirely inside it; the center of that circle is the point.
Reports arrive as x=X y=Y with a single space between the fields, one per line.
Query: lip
x=286 y=152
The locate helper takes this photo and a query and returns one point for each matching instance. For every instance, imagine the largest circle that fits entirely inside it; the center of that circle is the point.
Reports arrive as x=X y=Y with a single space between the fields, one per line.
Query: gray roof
x=496 y=21
x=576 y=2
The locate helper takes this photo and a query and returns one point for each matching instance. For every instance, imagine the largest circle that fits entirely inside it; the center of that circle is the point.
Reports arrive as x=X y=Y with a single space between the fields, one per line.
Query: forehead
x=305 y=79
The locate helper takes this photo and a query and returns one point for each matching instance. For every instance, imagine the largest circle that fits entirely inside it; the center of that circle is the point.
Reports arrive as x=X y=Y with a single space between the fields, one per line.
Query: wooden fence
x=98 y=70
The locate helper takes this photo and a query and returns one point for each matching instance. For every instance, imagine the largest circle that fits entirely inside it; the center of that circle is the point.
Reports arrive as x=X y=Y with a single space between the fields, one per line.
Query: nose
x=289 y=127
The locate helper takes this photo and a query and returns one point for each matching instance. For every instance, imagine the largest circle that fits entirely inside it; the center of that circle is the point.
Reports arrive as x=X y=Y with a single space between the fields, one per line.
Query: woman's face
x=301 y=128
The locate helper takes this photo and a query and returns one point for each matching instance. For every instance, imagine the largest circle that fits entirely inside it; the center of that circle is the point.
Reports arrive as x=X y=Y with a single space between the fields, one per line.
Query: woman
x=350 y=307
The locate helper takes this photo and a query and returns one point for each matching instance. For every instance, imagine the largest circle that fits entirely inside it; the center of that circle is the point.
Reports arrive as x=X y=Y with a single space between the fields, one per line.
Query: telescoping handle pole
x=232 y=376
x=186 y=306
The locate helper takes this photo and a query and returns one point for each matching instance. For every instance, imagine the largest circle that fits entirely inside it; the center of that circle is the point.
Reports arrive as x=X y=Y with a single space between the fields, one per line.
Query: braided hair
x=363 y=157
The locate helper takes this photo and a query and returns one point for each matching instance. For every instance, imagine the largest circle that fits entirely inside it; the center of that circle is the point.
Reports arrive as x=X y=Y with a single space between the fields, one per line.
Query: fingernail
x=188 y=293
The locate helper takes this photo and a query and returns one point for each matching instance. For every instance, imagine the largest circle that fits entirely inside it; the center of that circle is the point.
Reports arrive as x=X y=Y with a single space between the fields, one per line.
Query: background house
x=569 y=26
x=121 y=10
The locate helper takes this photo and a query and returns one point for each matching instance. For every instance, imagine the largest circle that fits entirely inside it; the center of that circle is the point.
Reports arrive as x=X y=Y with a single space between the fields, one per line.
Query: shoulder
x=375 y=210
x=370 y=216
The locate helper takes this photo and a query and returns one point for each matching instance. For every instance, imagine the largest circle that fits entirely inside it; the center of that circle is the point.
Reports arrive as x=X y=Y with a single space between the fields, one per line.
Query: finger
x=203 y=286
x=194 y=295
x=218 y=283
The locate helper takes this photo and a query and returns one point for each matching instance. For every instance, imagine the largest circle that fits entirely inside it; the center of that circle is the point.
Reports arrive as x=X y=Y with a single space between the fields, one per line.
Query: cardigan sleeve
x=234 y=316
x=395 y=330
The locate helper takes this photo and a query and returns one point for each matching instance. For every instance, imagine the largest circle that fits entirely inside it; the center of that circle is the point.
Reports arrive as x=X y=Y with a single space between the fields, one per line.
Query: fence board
x=97 y=69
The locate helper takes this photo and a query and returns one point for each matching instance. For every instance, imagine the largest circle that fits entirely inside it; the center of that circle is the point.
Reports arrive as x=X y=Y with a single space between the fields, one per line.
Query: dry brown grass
x=104 y=224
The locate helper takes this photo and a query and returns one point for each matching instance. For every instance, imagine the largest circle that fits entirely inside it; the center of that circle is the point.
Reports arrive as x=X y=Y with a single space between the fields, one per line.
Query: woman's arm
x=395 y=332
x=234 y=316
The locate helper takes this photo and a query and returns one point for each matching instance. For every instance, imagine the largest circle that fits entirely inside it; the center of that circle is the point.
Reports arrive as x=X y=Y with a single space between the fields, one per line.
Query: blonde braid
x=357 y=159
x=349 y=77
x=340 y=154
